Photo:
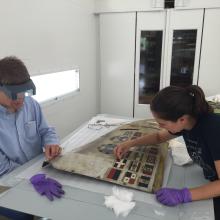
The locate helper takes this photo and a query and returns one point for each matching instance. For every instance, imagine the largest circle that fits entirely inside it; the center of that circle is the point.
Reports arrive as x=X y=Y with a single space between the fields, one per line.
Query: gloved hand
x=47 y=186
x=172 y=197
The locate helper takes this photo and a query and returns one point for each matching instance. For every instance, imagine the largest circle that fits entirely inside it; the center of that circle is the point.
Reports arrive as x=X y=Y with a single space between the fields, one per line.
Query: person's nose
x=19 y=101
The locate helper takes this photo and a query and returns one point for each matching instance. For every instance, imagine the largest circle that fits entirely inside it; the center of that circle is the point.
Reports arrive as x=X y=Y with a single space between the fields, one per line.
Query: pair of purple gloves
x=47 y=186
x=172 y=197
x=50 y=188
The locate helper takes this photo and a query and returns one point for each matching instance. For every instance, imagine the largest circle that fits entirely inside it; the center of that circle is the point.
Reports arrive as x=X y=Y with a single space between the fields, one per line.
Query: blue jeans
x=15 y=215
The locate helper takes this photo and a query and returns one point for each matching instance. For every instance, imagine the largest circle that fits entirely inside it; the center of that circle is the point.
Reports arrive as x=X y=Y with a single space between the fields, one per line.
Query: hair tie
x=192 y=94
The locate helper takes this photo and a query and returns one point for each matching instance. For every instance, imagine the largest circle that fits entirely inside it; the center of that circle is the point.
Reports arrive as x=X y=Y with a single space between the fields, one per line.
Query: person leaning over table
x=24 y=132
x=185 y=111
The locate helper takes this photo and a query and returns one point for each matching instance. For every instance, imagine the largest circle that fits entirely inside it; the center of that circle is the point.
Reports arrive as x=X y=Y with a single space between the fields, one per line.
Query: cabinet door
x=150 y=37
x=117 y=51
x=183 y=40
x=209 y=72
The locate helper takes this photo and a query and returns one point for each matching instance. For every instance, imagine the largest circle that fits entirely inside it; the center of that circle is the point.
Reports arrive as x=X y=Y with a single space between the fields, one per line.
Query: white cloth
x=120 y=201
x=215 y=98
x=179 y=153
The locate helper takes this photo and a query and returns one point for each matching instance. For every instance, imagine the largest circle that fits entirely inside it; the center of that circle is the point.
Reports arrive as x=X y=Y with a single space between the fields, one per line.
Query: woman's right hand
x=121 y=149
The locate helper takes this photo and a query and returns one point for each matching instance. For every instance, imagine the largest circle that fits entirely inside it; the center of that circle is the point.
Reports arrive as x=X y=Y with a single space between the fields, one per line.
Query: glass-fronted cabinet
x=183 y=57
x=150 y=65
x=167 y=53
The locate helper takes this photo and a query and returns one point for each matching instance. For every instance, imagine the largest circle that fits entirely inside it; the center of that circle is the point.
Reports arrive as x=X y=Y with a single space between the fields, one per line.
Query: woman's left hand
x=173 y=197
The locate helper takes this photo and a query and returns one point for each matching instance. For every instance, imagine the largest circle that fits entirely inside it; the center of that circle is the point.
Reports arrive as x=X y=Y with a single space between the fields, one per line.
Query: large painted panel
x=141 y=167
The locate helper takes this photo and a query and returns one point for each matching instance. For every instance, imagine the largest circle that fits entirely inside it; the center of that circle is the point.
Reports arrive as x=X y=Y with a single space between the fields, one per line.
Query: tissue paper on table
x=120 y=201
x=179 y=153
x=215 y=98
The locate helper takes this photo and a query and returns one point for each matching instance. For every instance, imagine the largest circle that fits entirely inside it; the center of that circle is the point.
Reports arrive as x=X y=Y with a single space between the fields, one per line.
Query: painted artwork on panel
x=141 y=167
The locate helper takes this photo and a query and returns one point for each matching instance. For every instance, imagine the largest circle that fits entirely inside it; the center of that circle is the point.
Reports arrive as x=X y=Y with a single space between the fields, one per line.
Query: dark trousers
x=15 y=215
x=216 y=202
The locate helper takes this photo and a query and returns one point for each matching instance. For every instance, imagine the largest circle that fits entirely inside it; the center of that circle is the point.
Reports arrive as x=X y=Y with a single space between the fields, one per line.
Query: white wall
x=54 y=35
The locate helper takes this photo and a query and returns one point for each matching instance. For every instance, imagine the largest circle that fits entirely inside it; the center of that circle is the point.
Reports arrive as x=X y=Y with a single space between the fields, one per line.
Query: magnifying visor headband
x=15 y=91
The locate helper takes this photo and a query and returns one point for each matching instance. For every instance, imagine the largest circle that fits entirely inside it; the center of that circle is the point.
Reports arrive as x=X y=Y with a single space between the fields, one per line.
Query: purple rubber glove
x=172 y=197
x=47 y=186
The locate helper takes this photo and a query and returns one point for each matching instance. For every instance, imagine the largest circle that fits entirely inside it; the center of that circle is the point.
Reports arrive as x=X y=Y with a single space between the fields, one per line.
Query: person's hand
x=172 y=197
x=52 y=151
x=121 y=149
x=47 y=186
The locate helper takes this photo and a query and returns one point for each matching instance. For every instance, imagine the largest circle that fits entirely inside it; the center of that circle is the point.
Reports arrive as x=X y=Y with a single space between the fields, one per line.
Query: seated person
x=23 y=129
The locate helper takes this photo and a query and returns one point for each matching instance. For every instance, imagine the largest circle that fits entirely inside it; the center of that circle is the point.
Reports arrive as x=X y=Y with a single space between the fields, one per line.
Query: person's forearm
x=207 y=191
x=7 y=167
x=147 y=139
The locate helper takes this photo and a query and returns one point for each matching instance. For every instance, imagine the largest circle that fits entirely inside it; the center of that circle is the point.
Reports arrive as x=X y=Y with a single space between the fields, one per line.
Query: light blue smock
x=23 y=135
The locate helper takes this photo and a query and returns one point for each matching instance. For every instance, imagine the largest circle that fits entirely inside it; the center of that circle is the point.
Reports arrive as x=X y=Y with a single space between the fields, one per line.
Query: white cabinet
x=209 y=74
x=117 y=53
x=192 y=4
x=167 y=53
x=104 y=6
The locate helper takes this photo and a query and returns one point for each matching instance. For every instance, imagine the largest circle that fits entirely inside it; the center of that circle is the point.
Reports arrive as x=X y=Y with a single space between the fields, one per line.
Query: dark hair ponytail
x=173 y=102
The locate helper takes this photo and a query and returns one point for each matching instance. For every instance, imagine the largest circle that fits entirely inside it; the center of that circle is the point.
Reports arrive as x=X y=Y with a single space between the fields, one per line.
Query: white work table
x=84 y=204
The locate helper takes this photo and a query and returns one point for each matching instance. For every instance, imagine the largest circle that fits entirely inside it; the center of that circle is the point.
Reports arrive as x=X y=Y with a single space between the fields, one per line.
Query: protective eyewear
x=15 y=92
